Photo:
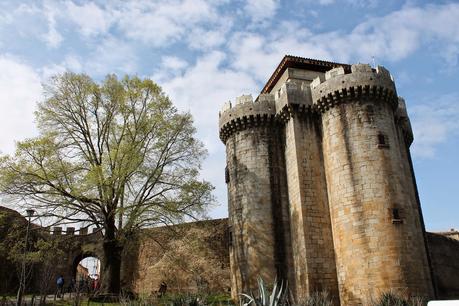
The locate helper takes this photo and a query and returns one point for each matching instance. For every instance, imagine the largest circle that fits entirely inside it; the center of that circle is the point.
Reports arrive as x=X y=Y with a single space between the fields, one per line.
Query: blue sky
x=204 y=53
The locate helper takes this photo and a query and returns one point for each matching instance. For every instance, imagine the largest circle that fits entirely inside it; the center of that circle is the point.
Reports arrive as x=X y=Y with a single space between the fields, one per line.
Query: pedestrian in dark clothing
x=60 y=286
x=162 y=289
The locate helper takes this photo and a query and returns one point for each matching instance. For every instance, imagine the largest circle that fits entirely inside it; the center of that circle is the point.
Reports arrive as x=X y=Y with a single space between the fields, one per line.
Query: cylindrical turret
x=376 y=222
x=252 y=178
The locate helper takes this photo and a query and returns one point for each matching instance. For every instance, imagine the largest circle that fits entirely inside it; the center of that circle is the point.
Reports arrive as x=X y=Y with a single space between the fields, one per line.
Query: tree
x=117 y=155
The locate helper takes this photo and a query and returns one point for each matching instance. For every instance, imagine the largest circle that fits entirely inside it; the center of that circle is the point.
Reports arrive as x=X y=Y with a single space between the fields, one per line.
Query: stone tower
x=321 y=188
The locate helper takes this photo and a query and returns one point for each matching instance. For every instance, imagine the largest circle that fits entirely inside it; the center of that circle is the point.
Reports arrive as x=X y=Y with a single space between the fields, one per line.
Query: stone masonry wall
x=377 y=231
x=191 y=257
x=252 y=246
x=194 y=257
x=313 y=253
x=312 y=244
x=444 y=252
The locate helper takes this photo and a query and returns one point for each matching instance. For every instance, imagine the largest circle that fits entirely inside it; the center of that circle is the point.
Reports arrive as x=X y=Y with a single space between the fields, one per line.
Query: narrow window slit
x=382 y=141
x=396 y=217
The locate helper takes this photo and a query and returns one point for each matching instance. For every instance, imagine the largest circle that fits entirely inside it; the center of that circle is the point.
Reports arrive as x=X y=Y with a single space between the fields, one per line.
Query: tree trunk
x=111 y=276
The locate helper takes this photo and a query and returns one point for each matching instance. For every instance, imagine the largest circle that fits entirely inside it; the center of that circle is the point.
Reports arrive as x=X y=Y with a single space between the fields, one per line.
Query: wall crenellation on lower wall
x=58 y=230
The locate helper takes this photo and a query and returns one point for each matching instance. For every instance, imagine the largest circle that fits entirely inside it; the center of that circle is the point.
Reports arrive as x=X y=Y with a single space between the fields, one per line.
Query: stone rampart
x=363 y=82
x=246 y=113
x=191 y=257
x=444 y=252
x=294 y=96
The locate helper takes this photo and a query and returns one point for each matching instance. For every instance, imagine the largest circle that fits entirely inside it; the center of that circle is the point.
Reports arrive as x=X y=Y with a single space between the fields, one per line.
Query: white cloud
x=360 y=3
x=70 y=63
x=52 y=38
x=202 y=89
x=389 y=38
x=434 y=123
x=260 y=54
x=326 y=2
x=90 y=18
x=173 y=62
x=171 y=66
x=260 y=10
x=399 y=34
x=20 y=89
x=164 y=22
x=111 y=55
x=203 y=38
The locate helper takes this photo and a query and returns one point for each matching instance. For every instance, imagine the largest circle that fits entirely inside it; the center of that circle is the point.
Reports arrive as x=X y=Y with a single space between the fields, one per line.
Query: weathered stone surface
x=354 y=215
x=190 y=257
x=252 y=231
x=444 y=250
x=193 y=257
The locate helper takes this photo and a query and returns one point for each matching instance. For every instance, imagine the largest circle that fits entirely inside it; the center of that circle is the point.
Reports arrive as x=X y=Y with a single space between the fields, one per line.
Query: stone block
x=57 y=230
x=334 y=72
x=244 y=99
x=361 y=68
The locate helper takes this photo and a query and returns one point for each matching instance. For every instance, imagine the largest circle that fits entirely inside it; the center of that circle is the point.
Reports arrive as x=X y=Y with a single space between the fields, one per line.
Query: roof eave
x=290 y=61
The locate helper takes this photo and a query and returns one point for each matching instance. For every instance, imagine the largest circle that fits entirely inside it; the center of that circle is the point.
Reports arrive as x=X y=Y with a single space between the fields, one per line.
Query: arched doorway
x=86 y=273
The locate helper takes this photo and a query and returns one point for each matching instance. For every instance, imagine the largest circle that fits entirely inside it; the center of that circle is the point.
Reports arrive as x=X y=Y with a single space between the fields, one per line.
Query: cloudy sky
x=204 y=53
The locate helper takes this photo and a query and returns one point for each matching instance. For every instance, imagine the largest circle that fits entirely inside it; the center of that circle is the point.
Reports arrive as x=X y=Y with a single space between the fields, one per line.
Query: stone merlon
x=246 y=113
x=363 y=81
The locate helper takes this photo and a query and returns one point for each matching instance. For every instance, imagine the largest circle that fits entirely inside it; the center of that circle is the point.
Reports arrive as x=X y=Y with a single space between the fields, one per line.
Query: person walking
x=60 y=286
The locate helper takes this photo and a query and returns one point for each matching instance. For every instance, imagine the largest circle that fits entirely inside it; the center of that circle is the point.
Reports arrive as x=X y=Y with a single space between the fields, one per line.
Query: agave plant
x=265 y=298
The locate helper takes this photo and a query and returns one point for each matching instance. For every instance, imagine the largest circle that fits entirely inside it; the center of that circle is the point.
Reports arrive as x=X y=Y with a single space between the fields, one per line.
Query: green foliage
x=265 y=298
x=195 y=300
x=117 y=155
x=115 y=149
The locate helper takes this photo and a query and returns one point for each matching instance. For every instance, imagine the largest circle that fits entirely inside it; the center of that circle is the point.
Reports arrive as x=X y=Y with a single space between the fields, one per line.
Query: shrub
x=394 y=299
x=276 y=297
x=317 y=299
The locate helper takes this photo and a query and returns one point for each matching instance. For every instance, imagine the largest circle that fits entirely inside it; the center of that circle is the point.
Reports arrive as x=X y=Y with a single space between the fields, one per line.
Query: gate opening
x=87 y=274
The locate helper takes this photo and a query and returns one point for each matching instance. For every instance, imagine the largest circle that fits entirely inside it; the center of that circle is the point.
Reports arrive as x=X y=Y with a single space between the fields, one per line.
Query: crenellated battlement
x=245 y=113
x=337 y=86
x=71 y=231
x=319 y=180
x=294 y=96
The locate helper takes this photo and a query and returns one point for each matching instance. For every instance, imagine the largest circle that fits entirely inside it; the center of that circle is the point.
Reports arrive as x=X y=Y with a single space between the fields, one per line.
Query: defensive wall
x=190 y=257
x=321 y=187
x=195 y=258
